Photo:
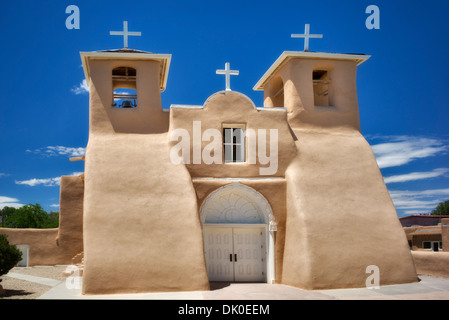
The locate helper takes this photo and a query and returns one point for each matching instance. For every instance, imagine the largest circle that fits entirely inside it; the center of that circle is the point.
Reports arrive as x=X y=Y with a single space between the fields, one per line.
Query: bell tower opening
x=321 y=83
x=278 y=92
x=124 y=87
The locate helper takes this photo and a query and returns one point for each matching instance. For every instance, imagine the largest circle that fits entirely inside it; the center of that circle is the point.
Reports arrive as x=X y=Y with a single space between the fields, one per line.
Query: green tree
x=9 y=255
x=6 y=212
x=52 y=220
x=31 y=216
x=441 y=209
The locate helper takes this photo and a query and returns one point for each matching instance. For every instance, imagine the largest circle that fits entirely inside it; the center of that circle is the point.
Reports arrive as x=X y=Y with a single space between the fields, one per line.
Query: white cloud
x=421 y=201
x=9 y=202
x=413 y=212
x=56 y=205
x=404 y=149
x=420 y=193
x=52 y=151
x=417 y=175
x=82 y=88
x=47 y=182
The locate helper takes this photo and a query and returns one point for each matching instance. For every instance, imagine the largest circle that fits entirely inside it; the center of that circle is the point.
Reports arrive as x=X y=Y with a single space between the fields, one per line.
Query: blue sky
x=402 y=88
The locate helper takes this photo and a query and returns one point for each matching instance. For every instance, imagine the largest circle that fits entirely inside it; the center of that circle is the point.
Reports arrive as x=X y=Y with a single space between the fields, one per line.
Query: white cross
x=228 y=72
x=125 y=33
x=307 y=36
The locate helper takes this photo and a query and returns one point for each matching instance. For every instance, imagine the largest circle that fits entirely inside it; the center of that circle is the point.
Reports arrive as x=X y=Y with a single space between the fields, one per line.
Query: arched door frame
x=264 y=210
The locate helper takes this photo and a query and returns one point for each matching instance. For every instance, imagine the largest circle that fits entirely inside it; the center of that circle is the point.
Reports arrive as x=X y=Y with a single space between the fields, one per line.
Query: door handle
x=235 y=257
x=230 y=257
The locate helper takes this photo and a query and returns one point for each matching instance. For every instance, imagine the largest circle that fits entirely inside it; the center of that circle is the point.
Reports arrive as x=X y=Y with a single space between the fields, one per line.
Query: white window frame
x=440 y=245
x=229 y=144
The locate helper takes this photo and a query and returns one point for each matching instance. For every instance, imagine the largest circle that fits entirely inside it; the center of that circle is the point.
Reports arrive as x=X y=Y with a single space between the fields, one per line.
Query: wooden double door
x=235 y=254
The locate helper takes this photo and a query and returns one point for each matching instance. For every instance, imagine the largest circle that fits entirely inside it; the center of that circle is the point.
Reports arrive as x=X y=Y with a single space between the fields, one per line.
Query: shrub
x=9 y=255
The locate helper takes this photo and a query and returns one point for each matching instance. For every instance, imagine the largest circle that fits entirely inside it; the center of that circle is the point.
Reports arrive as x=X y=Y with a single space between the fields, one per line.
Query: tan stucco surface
x=141 y=228
x=445 y=233
x=340 y=217
x=432 y=263
x=147 y=118
x=224 y=108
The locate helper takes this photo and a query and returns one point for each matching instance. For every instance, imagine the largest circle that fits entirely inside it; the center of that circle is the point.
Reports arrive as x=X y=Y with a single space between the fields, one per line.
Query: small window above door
x=234 y=143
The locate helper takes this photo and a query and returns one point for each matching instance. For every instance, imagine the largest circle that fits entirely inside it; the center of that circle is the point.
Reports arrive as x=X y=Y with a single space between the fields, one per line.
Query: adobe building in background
x=289 y=192
x=427 y=232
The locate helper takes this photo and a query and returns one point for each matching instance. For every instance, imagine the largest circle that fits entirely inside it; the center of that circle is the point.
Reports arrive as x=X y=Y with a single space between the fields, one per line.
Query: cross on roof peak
x=307 y=36
x=125 y=33
x=228 y=72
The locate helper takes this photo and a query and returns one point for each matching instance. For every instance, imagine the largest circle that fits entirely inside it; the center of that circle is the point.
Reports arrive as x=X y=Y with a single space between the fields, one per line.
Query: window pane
x=426 y=245
x=240 y=153
x=234 y=147
x=227 y=135
x=228 y=152
x=237 y=135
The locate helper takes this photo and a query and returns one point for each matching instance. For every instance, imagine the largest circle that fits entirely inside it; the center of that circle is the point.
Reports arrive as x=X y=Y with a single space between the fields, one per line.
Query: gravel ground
x=21 y=289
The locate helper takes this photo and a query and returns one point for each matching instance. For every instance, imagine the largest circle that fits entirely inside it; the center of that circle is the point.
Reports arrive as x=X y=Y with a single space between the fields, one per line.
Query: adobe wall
x=141 y=233
x=43 y=249
x=432 y=263
x=58 y=245
x=445 y=233
x=234 y=108
x=340 y=217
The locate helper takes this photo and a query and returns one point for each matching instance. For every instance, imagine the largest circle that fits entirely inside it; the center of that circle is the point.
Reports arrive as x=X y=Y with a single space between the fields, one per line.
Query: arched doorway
x=238 y=240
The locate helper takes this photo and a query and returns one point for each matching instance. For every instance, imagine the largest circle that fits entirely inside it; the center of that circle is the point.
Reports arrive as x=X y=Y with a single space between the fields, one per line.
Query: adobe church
x=314 y=217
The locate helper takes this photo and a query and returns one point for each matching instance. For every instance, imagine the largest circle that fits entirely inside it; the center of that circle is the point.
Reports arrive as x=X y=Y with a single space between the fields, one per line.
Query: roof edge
x=128 y=54
x=288 y=55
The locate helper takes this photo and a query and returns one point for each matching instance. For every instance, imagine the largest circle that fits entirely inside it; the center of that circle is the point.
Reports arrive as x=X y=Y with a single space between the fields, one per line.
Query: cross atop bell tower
x=125 y=33
x=307 y=36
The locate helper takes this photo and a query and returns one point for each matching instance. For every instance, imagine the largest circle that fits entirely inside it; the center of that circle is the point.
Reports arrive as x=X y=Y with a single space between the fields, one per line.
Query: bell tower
x=125 y=89
x=335 y=190
x=317 y=89
x=140 y=234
